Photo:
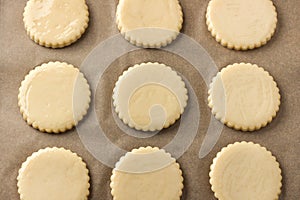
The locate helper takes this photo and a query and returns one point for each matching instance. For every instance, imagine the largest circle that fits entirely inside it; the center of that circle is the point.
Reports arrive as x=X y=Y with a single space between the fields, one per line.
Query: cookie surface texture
x=241 y=24
x=55 y=23
x=147 y=173
x=244 y=97
x=54 y=97
x=150 y=24
x=245 y=170
x=53 y=173
x=149 y=96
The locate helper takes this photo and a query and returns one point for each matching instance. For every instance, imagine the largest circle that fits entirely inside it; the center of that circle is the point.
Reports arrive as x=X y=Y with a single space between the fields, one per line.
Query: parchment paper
x=18 y=55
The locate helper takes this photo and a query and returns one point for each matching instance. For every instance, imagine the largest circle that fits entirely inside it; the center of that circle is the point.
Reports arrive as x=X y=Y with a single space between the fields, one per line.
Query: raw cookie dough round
x=241 y=24
x=245 y=171
x=244 y=97
x=54 y=97
x=55 y=23
x=52 y=174
x=149 y=96
x=148 y=174
x=150 y=24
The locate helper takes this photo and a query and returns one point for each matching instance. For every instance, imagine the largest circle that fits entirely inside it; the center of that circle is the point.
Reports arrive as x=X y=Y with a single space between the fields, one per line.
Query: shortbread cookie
x=245 y=171
x=147 y=173
x=241 y=25
x=244 y=97
x=149 y=96
x=52 y=174
x=54 y=97
x=150 y=24
x=55 y=23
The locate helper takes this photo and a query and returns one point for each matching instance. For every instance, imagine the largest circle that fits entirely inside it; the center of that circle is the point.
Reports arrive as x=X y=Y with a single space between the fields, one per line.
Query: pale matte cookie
x=54 y=97
x=241 y=24
x=148 y=174
x=244 y=97
x=55 y=23
x=150 y=24
x=52 y=174
x=245 y=171
x=149 y=96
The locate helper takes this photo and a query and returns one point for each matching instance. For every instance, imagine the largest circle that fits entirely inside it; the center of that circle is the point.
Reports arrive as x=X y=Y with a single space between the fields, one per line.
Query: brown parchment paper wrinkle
x=18 y=55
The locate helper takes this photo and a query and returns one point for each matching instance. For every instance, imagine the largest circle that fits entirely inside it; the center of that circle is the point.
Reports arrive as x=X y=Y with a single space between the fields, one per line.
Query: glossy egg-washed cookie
x=54 y=97
x=55 y=23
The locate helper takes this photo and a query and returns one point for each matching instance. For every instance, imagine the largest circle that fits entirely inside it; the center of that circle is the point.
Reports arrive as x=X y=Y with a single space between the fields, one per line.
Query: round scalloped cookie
x=147 y=173
x=55 y=23
x=245 y=171
x=53 y=173
x=54 y=97
x=241 y=24
x=149 y=96
x=142 y=27
x=244 y=97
